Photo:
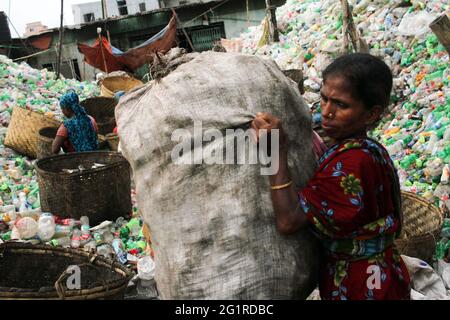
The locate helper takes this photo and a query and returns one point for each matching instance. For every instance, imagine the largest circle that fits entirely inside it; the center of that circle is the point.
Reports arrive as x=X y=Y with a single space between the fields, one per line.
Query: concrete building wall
x=34 y=28
x=133 y=5
x=79 y=10
x=69 y=53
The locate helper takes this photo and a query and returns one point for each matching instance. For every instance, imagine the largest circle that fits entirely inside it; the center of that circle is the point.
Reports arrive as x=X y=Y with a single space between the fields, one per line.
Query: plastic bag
x=416 y=24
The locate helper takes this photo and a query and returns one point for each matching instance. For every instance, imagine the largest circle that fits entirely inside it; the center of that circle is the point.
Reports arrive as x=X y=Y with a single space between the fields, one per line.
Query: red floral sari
x=353 y=204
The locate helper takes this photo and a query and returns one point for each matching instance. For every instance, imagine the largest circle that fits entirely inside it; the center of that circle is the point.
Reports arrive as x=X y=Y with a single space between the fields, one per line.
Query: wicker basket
x=39 y=272
x=101 y=194
x=22 y=134
x=113 y=84
x=113 y=141
x=44 y=142
x=102 y=110
x=422 y=223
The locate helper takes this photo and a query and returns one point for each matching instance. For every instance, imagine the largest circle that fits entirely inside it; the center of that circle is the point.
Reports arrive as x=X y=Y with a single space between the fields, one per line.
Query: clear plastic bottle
x=85 y=230
x=105 y=250
x=26 y=227
x=46 y=226
x=445 y=174
x=76 y=239
x=16 y=202
x=90 y=246
x=146 y=286
x=120 y=222
x=61 y=231
x=23 y=202
x=118 y=247
x=108 y=237
x=395 y=148
x=146 y=268
x=98 y=237
x=446 y=136
x=431 y=143
x=84 y=221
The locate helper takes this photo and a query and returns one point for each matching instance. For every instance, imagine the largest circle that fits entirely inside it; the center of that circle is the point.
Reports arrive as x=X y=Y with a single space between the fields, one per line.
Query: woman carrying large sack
x=352 y=203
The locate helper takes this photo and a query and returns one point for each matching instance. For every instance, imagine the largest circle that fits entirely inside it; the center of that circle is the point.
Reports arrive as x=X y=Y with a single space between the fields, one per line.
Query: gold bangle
x=281 y=186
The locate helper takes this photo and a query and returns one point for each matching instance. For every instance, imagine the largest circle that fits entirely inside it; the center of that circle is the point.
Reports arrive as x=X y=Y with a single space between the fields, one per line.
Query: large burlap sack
x=212 y=225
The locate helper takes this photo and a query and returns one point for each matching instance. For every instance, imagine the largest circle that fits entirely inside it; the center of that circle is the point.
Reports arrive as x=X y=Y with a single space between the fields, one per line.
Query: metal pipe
x=61 y=30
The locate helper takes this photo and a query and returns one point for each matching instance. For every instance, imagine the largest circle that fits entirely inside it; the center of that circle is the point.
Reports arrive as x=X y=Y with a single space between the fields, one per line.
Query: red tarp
x=41 y=42
x=133 y=58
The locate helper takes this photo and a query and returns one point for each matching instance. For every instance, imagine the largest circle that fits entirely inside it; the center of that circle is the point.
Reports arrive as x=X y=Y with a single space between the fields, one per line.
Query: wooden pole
x=105 y=16
x=103 y=9
x=61 y=30
x=273 y=19
x=99 y=31
x=441 y=28
x=248 y=13
x=184 y=31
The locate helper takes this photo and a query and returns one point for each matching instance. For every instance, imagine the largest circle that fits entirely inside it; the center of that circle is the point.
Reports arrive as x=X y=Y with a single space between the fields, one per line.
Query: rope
x=32 y=55
x=201 y=15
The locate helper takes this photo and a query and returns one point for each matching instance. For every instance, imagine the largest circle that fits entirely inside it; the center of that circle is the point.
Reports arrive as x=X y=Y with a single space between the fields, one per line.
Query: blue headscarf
x=82 y=134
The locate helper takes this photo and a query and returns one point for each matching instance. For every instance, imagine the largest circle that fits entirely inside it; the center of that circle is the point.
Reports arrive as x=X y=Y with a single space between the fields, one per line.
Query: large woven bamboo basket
x=422 y=223
x=111 y=85
x=102 y=110
x=44 y=142
x=101 y=194
x=22 y=134
x=41 y=272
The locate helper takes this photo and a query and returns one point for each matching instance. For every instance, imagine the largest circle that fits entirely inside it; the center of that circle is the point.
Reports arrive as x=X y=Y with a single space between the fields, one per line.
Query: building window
x=31 y=29
x=89 y=17
x=122 y=6
x=142 y=7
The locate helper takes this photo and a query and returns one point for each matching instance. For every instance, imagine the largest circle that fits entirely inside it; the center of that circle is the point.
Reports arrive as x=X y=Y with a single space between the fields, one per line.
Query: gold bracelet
x=281 y=186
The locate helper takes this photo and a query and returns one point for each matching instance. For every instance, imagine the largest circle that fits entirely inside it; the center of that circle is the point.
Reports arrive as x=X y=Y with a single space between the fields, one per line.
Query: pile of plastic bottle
x=37 y=90
x=416 y=131
x=121 y=239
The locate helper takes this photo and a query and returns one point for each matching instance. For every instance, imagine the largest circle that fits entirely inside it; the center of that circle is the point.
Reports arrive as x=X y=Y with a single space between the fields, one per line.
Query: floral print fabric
x=353 y=205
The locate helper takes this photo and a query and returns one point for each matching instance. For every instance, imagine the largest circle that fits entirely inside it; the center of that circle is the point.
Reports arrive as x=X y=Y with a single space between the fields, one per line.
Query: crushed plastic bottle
x=26 y=228
x=46 y=227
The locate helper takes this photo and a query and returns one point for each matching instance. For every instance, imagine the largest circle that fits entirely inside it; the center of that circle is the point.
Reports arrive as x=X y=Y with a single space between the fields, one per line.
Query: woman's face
x=67 y=112
x=343 y=116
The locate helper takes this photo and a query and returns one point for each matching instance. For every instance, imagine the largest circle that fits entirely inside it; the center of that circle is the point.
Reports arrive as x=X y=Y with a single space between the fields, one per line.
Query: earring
x=330 y=115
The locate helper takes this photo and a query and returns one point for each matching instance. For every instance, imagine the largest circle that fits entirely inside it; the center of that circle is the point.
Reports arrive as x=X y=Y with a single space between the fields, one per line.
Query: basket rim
x=29 y=111
x=432 y=207
x=87 y=171
x=17 y=246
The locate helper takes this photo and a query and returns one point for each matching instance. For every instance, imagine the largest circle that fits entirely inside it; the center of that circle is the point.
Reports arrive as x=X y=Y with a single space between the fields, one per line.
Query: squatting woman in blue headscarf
x=79 y=132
